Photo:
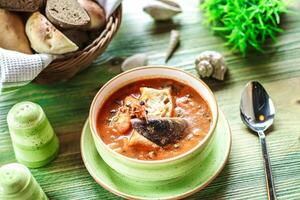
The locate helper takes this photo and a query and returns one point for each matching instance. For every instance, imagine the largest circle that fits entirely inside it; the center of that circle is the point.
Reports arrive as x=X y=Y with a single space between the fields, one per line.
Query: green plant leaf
x=245 y=23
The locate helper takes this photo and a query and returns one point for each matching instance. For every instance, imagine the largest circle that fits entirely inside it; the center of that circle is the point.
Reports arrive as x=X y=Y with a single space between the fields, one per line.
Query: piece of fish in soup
x=140 y=142
x=121 y=121
x=158 y=103
x=162 y=130
x=130 y=108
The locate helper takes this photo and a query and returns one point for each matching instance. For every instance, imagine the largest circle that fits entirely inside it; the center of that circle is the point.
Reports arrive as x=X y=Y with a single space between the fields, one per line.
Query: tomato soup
x=154 y=119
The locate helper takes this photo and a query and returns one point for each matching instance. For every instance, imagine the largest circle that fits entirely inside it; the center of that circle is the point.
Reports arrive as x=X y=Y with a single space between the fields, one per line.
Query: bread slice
x=45 y=38
x=66 y=14
x=21 y=5
x=12 y=31
x=159 y=102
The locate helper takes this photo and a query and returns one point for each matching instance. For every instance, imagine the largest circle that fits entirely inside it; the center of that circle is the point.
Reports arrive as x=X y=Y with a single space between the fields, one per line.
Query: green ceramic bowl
x=156 y=170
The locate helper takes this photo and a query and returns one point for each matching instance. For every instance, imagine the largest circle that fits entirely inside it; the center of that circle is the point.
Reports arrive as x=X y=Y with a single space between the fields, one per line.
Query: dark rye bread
x=67 y=14
x=21 y=5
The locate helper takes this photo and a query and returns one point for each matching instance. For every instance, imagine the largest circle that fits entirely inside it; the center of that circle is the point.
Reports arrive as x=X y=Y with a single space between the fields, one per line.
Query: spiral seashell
x=211 y=63
x=205 y=69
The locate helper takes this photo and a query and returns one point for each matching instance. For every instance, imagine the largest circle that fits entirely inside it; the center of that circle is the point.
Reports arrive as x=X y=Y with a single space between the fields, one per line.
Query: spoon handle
x=267 y=164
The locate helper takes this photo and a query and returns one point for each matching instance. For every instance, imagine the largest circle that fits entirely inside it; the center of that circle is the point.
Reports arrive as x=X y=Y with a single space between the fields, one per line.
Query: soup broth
x=157 y=98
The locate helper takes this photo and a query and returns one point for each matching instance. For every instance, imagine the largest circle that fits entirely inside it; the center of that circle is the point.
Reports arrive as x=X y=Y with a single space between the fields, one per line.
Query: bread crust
x=45 y=38
x=13 y=35
x=96 y=14
x=20 y=6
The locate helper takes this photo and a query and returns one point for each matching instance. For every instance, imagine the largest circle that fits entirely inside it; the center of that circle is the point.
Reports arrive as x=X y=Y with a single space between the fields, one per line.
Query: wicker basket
x=64 y=68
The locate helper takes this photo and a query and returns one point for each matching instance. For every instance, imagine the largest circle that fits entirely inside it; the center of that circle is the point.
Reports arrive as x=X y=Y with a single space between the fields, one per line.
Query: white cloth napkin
x=18 y=69
x=109 y=6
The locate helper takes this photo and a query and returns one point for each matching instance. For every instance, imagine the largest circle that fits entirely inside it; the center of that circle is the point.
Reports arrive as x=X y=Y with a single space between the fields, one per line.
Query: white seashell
x=211 y=63
x=137 y=60
x=205 y=69
x=174 y=42
x=162 y=10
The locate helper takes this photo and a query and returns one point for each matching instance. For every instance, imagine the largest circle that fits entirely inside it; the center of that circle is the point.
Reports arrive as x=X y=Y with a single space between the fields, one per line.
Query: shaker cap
x=25 y=115
x=14 y=178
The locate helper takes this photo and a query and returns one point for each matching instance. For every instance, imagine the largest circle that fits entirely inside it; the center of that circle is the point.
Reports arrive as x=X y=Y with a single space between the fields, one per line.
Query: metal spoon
x=257 y=112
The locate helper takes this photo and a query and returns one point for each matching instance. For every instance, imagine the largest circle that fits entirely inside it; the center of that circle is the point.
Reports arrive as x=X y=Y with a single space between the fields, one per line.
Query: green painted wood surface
x=67 y=105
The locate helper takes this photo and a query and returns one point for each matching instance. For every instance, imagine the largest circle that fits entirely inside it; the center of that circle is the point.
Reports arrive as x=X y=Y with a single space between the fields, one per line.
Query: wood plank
x=67 y=105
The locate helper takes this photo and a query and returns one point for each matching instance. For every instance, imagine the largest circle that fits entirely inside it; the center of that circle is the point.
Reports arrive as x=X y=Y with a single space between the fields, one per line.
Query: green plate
x=219 y=150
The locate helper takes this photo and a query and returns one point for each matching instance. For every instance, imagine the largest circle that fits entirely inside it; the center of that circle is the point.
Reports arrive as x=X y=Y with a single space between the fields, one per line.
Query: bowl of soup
x=152 y=123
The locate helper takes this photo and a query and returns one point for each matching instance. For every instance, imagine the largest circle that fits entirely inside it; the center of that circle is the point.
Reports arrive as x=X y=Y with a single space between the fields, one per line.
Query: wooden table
x=67 y=105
